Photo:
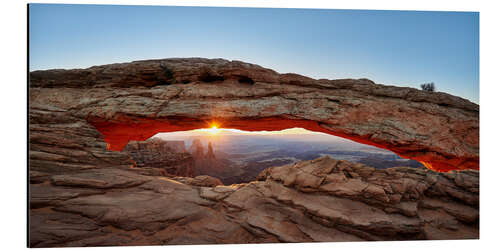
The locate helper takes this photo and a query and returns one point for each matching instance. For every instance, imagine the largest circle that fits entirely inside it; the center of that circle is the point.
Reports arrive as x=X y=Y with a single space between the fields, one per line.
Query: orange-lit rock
x=134 y=101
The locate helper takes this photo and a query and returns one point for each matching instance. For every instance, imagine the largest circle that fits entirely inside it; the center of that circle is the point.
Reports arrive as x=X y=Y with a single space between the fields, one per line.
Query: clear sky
x=403 y=48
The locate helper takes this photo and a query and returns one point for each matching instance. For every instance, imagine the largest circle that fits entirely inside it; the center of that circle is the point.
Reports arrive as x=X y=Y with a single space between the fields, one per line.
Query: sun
x=213 y=130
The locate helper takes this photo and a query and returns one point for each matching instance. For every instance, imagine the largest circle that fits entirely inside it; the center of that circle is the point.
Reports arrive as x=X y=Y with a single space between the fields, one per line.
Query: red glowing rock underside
x=117 y=136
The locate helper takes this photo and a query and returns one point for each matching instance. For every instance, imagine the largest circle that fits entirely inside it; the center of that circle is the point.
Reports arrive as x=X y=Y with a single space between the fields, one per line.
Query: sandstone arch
x=134 y=101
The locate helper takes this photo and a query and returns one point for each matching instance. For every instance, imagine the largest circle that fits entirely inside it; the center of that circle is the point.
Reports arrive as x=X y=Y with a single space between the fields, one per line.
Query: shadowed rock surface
x=134 y=101
x=319 y=200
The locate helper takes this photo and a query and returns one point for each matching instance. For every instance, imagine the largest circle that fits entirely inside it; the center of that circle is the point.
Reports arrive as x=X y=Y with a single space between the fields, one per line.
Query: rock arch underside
x=81 y=119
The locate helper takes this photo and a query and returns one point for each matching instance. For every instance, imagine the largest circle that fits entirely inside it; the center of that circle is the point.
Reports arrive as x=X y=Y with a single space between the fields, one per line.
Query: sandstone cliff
x=168 y=155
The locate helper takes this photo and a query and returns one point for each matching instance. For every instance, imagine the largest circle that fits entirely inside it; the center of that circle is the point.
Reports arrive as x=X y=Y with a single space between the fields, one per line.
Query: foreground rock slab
x=311 y=201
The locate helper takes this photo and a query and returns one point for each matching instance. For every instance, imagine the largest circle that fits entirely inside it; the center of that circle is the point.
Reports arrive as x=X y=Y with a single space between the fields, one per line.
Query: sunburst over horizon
x=215 y=130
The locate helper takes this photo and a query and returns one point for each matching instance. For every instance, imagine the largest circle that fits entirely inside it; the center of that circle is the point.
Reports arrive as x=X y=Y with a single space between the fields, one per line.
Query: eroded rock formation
x=210 y=152
x=168 y=155
x=134 y=101
x=196 y=149
x=318 y=200
x=208 y=164
x=158 y=157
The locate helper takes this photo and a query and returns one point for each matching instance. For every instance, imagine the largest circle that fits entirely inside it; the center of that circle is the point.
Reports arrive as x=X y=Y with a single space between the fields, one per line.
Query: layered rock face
x=168 y=155
x=311 y=201
x=134 y=101
x=176 y=146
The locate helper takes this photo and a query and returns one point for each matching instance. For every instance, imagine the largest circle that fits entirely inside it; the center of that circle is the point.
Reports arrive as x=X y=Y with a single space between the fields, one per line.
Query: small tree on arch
x=428 y=87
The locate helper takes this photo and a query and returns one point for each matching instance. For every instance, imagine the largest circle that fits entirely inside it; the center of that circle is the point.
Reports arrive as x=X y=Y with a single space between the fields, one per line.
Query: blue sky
x=402 y=48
